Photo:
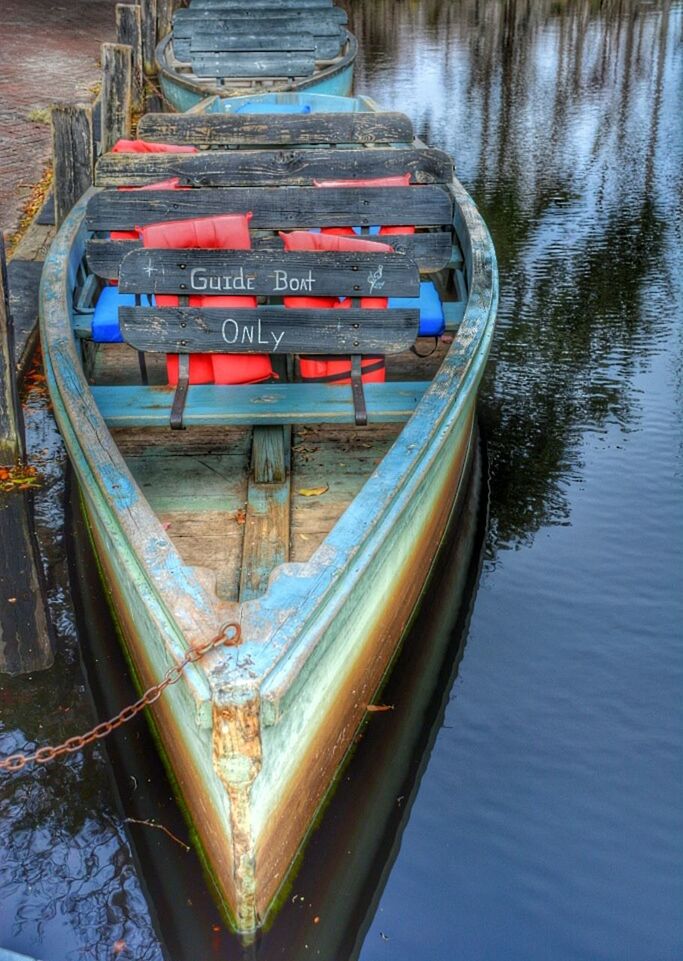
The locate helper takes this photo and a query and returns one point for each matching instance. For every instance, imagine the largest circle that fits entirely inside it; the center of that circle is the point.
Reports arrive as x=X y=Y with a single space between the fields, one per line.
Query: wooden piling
x=148 y=11
x=165 y=9
x=117 y=67
x=72 y=155
x=11 y=426
x=129 y=33
x=25 y=638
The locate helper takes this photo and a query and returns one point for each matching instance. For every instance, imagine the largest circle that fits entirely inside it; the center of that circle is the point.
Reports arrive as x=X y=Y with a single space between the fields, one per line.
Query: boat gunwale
x=210 y=87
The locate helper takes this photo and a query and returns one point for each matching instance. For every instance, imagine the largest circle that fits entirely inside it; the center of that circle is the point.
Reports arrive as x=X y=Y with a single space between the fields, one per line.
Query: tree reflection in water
x=553 y=112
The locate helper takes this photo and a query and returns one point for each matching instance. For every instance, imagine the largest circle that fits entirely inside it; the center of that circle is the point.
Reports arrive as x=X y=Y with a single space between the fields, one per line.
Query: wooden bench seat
x=257 y=404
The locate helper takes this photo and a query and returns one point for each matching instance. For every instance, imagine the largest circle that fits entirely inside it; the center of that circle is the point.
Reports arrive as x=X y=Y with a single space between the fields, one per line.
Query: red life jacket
x=401 y=180
x=335 y=369
x=143 y=146
x=227 y=232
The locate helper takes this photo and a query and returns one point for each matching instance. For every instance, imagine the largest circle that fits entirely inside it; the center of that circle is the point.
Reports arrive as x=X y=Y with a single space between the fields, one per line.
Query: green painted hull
x=255 y=734
x=183 y=93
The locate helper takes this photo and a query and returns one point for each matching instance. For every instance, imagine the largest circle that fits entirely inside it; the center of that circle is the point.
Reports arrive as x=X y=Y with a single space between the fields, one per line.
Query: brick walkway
x=49 y=53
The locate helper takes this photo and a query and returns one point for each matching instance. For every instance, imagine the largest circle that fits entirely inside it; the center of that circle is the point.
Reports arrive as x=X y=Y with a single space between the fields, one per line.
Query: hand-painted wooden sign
x=314 y=273
x=268 y=329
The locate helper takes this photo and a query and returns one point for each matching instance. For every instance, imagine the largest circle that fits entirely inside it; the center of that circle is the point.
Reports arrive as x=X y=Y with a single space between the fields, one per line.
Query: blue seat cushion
x=105 y=321
x=430 y=307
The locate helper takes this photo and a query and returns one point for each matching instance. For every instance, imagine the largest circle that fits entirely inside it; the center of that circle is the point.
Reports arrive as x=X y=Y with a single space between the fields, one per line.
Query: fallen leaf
x=376 y=708
x=313 y=491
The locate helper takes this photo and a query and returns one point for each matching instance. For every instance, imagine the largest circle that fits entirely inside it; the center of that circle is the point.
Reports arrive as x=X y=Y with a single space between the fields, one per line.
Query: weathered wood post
x=117 y=68
x=72 y=155
x=129 y=33
x=165 y=10
x=25 y=641
x=11 y=426
x=148 y=10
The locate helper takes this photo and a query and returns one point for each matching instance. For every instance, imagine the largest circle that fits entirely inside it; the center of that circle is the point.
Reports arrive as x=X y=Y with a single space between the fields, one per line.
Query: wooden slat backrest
x=279 y=63
x=265 y=273
x=431 y=251
x=256 y=4
x=303 y=167
x=185 y=21
x=323 y=48
x=269 y=328
x=212 y=130
x=275 y=208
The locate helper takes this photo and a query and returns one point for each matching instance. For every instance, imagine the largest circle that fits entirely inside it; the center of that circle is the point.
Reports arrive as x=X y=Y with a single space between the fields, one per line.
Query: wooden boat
x=275 y=45
x=275 y=509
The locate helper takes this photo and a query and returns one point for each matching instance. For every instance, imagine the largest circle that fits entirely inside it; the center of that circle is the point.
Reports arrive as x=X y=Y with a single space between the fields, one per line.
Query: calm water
x=525 y=799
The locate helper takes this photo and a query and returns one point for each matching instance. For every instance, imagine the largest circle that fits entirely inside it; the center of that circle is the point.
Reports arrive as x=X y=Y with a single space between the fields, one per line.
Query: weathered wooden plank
x=25 y=633
x=219 y=44
x=216 y=168
x=165 y=11
x=268 y=329
x=25 y=641
x=148 y=12
x=431 y=251
x=275 y=207
x=284 y=27
x=224 y=16
x=311 y=273
x=72 y=155
x=129 y=33
x=259 y=4
x=266 y=529
x=11 y=424
x=270 y=455
x=213 y=130
x=243 y=64
x=249 y=404
x=117 y=75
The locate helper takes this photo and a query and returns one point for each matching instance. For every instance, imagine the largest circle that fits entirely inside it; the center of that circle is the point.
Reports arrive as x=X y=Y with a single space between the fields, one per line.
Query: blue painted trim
x=256 y=404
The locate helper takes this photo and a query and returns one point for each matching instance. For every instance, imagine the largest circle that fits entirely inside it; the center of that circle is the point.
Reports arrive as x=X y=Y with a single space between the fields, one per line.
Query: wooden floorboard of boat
x=337 y=458
x=196 y=480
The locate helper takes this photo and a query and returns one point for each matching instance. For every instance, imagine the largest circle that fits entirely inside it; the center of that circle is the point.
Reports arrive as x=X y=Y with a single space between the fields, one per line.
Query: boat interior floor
x=199 y=481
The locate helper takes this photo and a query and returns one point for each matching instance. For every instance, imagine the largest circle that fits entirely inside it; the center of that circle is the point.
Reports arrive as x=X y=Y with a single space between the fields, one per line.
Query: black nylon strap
x=180 y=396
x=357 y=392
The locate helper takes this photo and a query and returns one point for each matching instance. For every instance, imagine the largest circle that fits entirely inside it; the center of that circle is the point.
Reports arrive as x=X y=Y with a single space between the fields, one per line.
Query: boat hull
x=360 y=651
x=254 y=734
x=184 y=94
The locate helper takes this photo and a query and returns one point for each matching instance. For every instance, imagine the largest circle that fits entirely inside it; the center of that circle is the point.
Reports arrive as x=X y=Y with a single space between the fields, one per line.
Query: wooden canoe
x=322 y=564
x=235 y=56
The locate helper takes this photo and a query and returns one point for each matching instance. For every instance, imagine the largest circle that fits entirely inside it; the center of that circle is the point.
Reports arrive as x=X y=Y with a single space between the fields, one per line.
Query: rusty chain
x=15 y=762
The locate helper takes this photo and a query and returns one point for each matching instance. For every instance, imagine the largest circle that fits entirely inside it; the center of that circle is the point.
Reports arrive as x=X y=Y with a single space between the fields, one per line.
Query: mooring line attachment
x=16 y=762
